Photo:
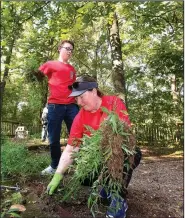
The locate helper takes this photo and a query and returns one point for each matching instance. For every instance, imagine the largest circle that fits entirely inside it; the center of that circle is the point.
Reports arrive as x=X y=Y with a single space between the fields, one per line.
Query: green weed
x=17 y=161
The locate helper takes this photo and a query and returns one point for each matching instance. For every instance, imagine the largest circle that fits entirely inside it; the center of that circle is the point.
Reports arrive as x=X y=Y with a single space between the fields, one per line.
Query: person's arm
x=66 y=159
x=45 y=70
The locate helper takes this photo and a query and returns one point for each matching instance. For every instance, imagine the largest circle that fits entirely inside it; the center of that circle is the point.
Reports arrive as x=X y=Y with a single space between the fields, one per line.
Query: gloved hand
x=54 y=183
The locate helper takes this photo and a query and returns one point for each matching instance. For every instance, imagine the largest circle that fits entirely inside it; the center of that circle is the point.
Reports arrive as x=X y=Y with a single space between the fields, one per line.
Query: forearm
x=66 y=159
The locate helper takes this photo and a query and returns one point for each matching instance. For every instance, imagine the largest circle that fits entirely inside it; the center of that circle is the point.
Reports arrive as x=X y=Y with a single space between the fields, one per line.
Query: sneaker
x=48 y=171
x=117 y=208
x=104 y=194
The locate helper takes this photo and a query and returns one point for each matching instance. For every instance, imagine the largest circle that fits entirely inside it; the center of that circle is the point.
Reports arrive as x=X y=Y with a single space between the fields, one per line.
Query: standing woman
x=60 y=75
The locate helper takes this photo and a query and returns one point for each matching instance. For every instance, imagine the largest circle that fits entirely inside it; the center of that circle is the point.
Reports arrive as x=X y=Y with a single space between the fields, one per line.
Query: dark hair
x=65 y=41
x=87 y=78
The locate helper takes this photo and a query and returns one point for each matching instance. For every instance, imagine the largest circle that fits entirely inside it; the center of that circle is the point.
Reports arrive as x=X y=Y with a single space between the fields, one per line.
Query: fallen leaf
x=20 y=207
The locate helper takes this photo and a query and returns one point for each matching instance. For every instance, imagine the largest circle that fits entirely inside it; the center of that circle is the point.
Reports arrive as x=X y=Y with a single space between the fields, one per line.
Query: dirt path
x=156 y=190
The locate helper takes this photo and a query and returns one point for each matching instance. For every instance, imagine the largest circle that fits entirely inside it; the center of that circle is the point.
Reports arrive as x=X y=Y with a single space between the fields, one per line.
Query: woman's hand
x=54 y=183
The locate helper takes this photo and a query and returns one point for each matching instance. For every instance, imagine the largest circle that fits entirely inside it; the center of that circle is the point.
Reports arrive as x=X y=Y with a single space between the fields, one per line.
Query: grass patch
x=17 y=161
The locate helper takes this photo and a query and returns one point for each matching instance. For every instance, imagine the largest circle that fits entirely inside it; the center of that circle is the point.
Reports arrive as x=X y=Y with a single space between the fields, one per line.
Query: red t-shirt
x=60 y=76
x=83 y=118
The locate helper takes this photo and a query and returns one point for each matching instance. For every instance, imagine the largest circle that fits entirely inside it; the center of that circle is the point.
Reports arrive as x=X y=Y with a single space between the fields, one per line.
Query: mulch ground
x=156 y=190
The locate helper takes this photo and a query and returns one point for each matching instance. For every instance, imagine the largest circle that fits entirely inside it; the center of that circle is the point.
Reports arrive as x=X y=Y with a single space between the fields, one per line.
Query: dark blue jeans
x=57 y=113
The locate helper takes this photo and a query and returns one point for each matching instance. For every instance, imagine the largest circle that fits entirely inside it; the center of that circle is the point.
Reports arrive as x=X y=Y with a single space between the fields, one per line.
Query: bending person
x=88 y=96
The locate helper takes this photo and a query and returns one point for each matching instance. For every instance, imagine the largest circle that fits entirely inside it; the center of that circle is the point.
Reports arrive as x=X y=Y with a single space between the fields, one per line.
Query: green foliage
x=151 y=34
x=11 y=99
x=10 y=213
x=17 y=198
x=16 y=160
x=92 y=162
x=35 y=136
x=30 y=94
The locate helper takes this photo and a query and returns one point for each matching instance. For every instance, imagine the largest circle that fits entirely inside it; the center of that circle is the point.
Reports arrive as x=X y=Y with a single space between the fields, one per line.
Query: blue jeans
x=57 y=113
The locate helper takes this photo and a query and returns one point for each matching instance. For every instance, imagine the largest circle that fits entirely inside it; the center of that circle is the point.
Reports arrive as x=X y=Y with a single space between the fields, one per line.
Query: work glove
x=54 y=183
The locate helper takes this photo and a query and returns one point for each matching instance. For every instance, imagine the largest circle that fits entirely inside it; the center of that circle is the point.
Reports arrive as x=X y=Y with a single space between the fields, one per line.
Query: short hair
x=87 y=78
x=65 y=41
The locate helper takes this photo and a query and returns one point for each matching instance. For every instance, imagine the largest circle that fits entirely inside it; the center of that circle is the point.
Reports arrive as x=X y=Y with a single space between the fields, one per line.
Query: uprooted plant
x=101 y=159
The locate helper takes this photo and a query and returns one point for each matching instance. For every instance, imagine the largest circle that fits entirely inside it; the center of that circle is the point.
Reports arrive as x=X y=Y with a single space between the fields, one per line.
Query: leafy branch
x=101 y=159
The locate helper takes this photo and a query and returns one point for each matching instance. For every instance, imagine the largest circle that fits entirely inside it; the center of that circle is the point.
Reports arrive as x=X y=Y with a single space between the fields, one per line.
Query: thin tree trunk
x=7 y=63
x=174 y=89
x=118 y=78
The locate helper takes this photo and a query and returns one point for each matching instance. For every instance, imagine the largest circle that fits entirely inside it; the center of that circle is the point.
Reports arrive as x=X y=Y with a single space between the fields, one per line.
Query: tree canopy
x=134 y=49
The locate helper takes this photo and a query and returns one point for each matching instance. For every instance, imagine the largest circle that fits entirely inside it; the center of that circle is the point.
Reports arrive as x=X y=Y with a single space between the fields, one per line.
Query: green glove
x=54 y=183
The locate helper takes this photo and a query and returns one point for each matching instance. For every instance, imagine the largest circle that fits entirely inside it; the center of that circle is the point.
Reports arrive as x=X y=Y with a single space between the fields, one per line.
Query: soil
x=156 y=190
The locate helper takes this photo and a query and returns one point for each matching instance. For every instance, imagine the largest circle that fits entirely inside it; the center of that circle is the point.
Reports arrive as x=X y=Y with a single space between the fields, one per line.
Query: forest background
x=134 y=49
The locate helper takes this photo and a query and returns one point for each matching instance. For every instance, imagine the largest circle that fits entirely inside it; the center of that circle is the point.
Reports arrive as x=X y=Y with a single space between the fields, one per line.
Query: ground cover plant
x=17 y=166
x=16 y=160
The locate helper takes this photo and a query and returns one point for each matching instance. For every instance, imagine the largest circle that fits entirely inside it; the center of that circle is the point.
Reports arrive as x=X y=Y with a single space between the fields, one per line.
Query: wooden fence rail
x=8 y=128
x=155 y=133
x=144 y=133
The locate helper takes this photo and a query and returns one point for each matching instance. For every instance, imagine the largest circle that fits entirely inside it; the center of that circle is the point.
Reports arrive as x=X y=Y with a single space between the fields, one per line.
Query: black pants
x=126 y=173
x=137 y=159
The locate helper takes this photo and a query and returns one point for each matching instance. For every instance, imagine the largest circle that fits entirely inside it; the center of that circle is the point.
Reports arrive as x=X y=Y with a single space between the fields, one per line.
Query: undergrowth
x=17 y=161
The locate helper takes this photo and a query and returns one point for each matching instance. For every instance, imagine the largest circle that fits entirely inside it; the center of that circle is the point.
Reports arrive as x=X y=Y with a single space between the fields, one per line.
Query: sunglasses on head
x=79 y=86
x=75 y=85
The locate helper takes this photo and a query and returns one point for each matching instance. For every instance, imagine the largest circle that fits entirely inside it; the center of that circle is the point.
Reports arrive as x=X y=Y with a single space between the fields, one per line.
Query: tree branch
x=37 y=10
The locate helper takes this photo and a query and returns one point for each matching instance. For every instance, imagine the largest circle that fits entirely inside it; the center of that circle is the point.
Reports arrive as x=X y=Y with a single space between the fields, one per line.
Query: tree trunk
x=6 y=71
x=118 y=78
x=174 y=89
x=7 y=63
